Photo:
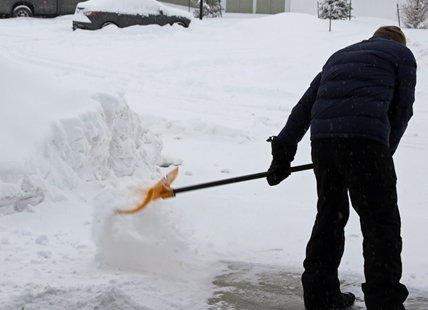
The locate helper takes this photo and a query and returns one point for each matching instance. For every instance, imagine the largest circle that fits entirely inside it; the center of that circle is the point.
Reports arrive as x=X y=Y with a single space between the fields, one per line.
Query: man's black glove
x=282 y=156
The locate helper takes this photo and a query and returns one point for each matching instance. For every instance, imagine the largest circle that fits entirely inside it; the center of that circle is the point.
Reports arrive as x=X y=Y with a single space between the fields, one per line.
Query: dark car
x=96 y=14
x=28 y=8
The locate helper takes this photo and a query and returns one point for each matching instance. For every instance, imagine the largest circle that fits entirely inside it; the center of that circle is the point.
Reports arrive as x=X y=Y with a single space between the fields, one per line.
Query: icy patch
x=89 y=298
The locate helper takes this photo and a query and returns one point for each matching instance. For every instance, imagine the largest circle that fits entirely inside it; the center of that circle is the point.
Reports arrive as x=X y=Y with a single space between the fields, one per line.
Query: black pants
x=365 y=169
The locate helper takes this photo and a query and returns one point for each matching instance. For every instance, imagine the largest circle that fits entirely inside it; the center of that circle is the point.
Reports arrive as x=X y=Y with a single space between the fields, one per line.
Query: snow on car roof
x=131 y=7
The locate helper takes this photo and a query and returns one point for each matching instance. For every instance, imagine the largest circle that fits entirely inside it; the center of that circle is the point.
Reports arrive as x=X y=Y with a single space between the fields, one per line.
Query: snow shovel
x=163 y=189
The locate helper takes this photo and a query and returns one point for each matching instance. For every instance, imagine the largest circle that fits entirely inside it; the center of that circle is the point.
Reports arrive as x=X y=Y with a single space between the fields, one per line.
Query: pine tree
x=415 y=14
x=334 y=9
x=210 y=8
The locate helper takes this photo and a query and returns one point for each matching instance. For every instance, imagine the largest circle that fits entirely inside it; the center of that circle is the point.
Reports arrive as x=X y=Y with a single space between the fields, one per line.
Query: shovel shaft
x=237 y=179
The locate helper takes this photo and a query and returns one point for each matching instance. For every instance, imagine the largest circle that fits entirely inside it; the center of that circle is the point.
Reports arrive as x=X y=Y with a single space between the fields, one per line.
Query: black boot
x=343 y=302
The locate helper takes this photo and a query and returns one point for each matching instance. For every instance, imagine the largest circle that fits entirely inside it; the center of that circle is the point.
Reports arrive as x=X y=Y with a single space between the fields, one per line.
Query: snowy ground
x=87 y=117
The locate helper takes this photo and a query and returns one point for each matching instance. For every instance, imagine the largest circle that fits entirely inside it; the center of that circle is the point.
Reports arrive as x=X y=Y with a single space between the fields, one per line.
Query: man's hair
x=393 y=32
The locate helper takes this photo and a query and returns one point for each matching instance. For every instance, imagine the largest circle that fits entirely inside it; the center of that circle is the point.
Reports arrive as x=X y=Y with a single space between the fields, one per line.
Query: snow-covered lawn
x=88 y=117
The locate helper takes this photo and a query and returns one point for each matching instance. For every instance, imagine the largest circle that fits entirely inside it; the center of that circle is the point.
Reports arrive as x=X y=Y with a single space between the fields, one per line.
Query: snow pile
x=111 y=139
x=64 y=144
x=107 y=141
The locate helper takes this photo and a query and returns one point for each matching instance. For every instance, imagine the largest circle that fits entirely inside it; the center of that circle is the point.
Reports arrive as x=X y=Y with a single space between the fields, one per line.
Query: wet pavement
x=245 y=286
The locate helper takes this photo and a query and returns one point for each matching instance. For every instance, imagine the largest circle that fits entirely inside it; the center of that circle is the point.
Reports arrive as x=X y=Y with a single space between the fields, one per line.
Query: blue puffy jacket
x=365 y=91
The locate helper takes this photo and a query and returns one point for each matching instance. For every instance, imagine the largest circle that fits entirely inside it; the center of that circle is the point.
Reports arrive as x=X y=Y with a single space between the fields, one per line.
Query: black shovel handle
x=238 y=179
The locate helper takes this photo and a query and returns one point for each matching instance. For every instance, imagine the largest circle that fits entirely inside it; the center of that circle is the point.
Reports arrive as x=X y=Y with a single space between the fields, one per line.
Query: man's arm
x=300 y=118
x=401 y=109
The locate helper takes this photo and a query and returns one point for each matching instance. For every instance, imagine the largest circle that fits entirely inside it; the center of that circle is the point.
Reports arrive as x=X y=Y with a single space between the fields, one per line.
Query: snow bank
x=110 y=140
x=73 y=139
x=107 y=141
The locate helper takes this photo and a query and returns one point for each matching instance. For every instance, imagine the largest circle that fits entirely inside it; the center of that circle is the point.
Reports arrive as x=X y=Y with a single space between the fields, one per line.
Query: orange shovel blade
x=161 y=189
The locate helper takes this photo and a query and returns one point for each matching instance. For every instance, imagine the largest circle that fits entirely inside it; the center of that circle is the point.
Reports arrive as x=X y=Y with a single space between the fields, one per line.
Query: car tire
x=107 y=24
x=181 y=23
x=22 y=11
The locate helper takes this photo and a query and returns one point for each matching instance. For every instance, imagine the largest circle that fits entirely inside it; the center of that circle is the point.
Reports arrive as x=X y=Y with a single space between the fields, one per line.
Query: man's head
x=393 y=32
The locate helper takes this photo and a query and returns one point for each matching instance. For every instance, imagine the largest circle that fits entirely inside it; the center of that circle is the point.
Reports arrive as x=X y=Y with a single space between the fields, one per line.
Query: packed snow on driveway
x=91 y=119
